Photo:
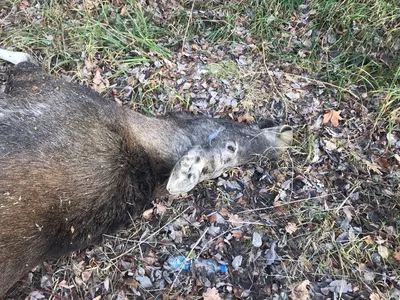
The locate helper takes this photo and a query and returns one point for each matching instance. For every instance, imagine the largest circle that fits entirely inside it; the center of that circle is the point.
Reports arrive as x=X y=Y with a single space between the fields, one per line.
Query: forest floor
x=323 y=222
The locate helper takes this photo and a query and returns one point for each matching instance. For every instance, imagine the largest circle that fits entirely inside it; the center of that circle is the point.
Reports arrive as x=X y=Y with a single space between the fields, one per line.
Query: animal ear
x=186 y=173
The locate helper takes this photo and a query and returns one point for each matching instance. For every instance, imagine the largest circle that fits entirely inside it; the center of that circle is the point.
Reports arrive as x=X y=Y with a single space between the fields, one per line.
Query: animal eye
x=231 y=148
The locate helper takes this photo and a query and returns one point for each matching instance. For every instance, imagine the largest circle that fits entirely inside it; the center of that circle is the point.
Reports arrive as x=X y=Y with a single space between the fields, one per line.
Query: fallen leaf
x=291 y=228
x=329 y=145
x=279 y=207
x=301 y=292
x=374 y=296
x=212 y=218
x=332 y=117
x=237 y=234
x=211 y=294
x=369 y=240
x=148 y=214
x=123 y=11
x=24 y=4
x=86 y=275
x=64 y=285
x=97 y=79
x=383 y=251
x=247 y=118
x=373 y=166
x=293 y=96
x=396 y=255
x=161 y=209
x=235 y=220
x=347 y=211
x=224 y=211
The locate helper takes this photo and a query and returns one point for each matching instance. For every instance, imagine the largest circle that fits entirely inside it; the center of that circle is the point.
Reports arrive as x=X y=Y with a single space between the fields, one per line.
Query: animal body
x=74 y=166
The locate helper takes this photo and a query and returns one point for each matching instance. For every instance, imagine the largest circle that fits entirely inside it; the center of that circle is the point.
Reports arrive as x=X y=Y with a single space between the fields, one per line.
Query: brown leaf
x=332 y=117
x=86 y=275
x=373 y=166
x=279 y=207
x=347 y=211
x=24 y=4
x=374 y=296
x=161 y=209
x=301 y=292
x=242 y=202
x=224 y=211
x=291 y=228
x=212 y=218
x=369 y=240
x=211 y=294
x=396 y=255
x=123 y=11
x=97 y=79
x=237 y=234
x=247 y=118
x=235 y=220
x=148 y=214
x=64 y=285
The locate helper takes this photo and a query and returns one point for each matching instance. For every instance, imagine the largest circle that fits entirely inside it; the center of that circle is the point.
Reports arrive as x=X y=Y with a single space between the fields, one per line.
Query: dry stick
x=307 y=78
x=325 y=83
x=187 y=27
x=149 y=237
x=284 y=204
x=186 y=258
x=272 y=80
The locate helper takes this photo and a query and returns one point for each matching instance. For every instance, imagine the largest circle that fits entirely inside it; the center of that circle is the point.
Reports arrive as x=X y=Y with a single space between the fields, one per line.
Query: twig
x=149 y=237
x=325 y=83
x=187 y=27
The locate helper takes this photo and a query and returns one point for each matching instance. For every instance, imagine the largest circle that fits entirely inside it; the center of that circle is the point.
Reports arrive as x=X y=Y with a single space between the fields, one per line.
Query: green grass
x=68 y=35
x=343 y=42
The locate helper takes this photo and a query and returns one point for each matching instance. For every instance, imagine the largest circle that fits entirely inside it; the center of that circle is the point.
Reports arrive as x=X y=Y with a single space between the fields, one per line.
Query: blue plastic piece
x=211 y=266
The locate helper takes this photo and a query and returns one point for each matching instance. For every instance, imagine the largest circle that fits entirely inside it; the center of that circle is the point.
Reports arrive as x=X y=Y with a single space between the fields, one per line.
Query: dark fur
x=74 y=166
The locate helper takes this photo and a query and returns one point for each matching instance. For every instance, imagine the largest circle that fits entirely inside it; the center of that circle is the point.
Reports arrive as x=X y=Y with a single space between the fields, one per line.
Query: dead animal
x=74 y=166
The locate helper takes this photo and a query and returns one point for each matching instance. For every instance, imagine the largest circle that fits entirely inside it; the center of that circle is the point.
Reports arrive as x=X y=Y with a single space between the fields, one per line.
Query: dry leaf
x=148 y=214
x=212 y=218
x=97 y=79
x=64 y=285
x=373 y=166
x=347 y=211
x=247 y=118
x=237 y=234
x=224 y=212
x=369 y=240
x=291 y=228
x=24 y=4
x=123 y=11
x=383 y=251
x=211 y=294
x=329 y=145
x=235 y=220
x=301 y=292
x=396 y=255
x=86 y=275
x=332 y=117
x=161 y=209
x=279 y=207
x=374 y=296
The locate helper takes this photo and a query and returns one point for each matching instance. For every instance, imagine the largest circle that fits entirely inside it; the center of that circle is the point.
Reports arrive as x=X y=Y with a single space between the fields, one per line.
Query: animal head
x=226 y=148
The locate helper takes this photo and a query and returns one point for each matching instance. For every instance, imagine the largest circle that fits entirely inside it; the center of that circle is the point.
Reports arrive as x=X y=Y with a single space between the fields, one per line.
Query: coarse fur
x=74 y=166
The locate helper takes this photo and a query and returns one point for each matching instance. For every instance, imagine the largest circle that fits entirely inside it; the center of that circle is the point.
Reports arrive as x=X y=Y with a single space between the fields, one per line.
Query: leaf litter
x=283 y=229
